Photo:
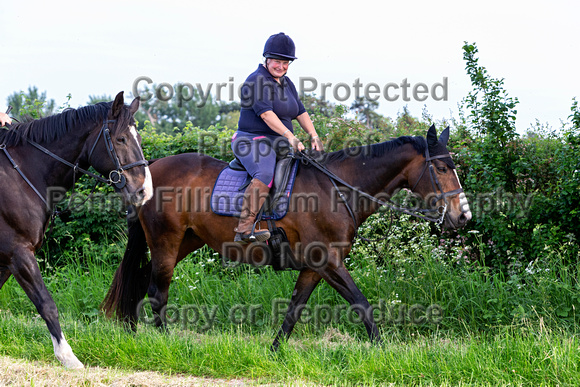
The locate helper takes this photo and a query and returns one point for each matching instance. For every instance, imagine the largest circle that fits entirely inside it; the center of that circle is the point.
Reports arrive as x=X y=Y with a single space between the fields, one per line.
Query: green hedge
x=517 y=221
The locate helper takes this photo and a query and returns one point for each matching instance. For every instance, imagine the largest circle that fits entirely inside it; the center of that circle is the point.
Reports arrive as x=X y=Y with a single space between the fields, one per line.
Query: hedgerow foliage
x=523 y=189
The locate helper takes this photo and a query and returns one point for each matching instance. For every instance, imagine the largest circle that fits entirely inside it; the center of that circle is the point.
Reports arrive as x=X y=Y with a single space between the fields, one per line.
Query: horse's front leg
x=25 y=269
x=339 y=278
x=307 y=281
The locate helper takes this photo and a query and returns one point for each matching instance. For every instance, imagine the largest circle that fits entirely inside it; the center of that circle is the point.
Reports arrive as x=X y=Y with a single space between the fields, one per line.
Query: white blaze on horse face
x=64 y=353
x=463 y=204
x=148 y=183
x=147 y=186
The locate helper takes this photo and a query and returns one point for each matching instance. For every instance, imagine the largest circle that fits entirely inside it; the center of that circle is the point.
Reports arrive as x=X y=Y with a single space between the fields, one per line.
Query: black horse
x=41 y=155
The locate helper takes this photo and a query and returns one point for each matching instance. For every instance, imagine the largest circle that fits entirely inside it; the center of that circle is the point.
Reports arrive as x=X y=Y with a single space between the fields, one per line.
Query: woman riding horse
x=269 y=103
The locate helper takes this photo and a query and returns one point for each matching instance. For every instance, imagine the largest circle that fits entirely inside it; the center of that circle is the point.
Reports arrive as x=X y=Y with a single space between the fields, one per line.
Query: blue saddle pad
x=229 y=188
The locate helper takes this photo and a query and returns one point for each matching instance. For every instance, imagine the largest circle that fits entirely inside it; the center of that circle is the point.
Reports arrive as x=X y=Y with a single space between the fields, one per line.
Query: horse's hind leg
x=166 y=252
x=164 y=258
x=25 y=270
x=307 y=281
x=163 y=264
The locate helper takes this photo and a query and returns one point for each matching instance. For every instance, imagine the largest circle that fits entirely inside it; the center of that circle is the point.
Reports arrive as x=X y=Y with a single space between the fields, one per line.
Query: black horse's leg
x=339 y=278
x=4 y=275
x=25 y=270
x=307 y=281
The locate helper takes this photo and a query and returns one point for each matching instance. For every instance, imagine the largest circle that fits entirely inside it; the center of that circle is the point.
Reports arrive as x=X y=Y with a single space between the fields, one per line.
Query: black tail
x=132 y=277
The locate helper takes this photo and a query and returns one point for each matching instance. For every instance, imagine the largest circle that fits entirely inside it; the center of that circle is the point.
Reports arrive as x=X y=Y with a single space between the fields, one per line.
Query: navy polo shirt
x=260 y=93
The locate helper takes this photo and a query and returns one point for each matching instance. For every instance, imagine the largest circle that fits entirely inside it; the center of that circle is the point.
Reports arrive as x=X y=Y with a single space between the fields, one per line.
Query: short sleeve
x=257 y=94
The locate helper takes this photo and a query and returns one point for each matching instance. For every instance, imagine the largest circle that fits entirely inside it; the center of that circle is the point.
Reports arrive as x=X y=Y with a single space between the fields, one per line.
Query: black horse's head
x=115 y=151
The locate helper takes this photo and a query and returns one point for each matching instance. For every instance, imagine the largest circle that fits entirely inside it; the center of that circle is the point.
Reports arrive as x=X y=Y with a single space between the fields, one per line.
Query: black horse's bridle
x=116 y=176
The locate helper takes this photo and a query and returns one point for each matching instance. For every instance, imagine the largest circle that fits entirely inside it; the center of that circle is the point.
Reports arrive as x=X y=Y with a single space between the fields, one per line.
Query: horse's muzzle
x=457 y=221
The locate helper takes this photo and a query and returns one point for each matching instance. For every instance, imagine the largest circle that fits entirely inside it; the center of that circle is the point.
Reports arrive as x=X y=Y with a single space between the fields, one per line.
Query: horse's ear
x=118 y=105
x=134 y=105
x=432 y=136
x=444 y=136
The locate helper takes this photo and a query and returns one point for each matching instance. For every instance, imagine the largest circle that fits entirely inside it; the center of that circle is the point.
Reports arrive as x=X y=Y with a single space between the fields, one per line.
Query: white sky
x=102 y=47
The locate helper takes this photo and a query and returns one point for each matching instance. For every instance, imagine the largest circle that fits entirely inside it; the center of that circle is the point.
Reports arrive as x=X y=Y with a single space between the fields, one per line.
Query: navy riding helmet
x=280 y=46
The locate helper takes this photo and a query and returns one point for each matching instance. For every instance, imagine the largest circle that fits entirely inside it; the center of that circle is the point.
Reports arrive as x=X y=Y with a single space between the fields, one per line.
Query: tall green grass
x=514 y=326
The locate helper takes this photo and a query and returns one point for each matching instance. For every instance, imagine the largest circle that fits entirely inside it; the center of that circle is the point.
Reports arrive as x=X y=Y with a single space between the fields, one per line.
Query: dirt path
x=16 y=372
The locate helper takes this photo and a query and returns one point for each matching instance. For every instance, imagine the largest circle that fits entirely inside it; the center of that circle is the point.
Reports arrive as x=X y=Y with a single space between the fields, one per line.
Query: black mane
x=52 y=128
x=376 y=150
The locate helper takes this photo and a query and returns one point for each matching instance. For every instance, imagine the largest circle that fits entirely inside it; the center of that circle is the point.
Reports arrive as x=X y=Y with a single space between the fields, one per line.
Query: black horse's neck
x=63 y=134
x=71 y=149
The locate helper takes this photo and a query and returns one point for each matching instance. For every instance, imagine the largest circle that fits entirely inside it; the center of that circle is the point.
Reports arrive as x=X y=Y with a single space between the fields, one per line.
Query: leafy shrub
x=523 y=191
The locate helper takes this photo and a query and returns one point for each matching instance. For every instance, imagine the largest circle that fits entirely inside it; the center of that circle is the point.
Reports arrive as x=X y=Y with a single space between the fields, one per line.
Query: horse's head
x=435 y=180
x=115 y=151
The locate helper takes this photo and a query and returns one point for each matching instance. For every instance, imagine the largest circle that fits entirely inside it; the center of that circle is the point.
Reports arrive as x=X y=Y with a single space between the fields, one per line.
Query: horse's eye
x=122 y=140
x=442 y=169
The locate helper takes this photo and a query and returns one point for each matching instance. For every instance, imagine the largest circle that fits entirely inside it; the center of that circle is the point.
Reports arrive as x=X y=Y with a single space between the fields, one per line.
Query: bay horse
x=172 y=229
x=44 y=156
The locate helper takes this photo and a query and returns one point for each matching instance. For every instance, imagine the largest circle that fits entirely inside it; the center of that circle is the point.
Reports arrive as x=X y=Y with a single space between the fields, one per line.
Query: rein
x=442 y=210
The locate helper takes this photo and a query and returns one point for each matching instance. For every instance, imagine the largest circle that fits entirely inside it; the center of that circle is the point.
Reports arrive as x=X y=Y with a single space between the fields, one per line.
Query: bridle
x=436 y=185
x=115 y=178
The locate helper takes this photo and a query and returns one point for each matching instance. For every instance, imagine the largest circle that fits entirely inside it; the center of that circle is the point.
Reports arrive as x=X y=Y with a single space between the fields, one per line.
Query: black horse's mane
x=376 y=150
x=52 y=128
